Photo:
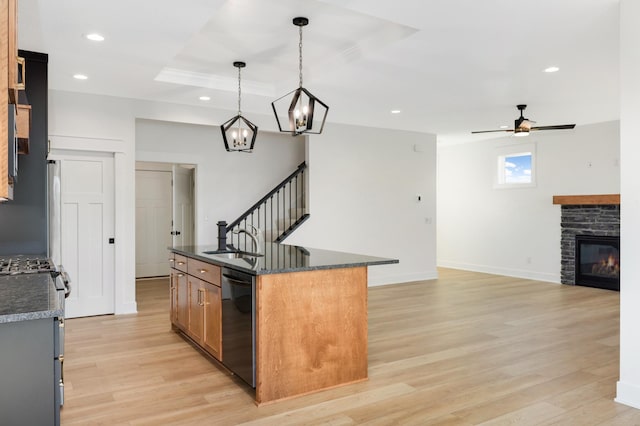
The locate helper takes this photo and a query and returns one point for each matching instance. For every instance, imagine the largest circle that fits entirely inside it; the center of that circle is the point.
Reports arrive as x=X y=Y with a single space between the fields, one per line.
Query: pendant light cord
x=239 y=92
x=300 y=52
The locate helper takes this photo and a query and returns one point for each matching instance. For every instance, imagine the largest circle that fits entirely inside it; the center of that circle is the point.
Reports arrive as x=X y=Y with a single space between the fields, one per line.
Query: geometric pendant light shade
x=299 y=111
x=238 y=133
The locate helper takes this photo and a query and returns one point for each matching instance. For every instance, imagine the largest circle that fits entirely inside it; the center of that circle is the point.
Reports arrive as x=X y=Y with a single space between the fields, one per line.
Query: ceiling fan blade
x=557 y=127
x=522 y=125
x=492 y=131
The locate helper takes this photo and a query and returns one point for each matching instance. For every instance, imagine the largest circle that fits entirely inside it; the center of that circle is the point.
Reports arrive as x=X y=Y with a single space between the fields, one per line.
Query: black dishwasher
x=238 y=324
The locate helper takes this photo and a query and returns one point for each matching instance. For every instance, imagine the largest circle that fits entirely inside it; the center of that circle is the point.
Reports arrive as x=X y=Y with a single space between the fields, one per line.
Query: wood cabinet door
x=196 y=308
x=173 y=296
x=182 y=294
x=212 y=336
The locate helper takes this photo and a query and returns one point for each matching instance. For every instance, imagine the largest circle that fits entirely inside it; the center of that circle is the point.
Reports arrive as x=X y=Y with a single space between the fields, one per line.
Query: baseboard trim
x=127 y=308
x=509 y=272
x=628 y=394
x=400 y=279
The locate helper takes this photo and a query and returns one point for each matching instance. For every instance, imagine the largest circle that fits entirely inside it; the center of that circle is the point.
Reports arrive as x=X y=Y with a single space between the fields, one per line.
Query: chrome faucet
x=254 y=233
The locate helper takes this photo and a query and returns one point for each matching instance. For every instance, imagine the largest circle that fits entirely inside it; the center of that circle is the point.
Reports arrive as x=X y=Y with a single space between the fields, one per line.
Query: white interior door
x=86 y=232
x=153 y=222
x=183 y=204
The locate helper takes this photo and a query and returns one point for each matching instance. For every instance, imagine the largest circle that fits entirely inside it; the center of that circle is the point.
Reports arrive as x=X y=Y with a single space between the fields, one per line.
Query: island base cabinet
x=182 y=300
x=173 y=296
x=205 y=318
x=196 y=303
x=196 y=309
x=311 y=331
x=309 y=327
x=212 y=333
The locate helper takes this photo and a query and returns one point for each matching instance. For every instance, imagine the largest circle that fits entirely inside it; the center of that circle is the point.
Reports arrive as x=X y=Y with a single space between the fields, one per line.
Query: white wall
x=227 y=184
x=101 y=123
x=363 y=181
x=628 y=391
x=516 y=232
x=363 y=187
x=107 y=123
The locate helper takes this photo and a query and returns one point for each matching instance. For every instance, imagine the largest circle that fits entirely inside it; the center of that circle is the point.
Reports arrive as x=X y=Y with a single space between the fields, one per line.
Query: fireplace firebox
x=597 y=260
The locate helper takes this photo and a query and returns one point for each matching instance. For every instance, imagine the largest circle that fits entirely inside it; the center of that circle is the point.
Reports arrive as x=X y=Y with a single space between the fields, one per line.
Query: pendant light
x=238 y=133
x=299 y=111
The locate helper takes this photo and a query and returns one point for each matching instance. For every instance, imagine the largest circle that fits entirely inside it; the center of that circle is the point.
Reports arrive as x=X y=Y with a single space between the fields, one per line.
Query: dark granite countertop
x=28 y=297
x=281 y=258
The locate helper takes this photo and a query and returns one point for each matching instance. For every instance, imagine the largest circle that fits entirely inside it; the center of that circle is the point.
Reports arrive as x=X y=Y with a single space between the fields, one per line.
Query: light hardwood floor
x=465 y=349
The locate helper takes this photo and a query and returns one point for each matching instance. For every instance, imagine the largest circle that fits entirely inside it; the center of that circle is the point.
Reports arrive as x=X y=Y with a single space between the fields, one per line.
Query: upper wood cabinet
x=12 y=52
x=5 y=35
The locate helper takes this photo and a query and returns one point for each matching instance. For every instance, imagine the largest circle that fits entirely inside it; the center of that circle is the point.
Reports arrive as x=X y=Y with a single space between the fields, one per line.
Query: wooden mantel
x=586 y=199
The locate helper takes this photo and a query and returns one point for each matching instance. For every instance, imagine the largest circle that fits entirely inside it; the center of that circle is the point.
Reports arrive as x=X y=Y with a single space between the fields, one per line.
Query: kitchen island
x=305 y=310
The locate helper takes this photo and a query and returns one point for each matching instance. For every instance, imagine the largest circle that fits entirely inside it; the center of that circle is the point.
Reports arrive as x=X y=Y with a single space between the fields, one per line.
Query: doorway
x=164 y=214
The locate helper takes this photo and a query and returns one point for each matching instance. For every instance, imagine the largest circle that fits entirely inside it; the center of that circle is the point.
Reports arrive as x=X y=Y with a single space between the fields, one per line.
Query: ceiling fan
x=523 y=126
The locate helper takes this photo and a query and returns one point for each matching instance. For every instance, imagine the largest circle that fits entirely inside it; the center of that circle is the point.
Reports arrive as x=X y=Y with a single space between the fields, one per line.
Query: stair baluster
x=290 y=211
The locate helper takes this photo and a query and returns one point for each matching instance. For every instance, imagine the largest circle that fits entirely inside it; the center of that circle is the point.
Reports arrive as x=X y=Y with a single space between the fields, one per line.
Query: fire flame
x=607 y=266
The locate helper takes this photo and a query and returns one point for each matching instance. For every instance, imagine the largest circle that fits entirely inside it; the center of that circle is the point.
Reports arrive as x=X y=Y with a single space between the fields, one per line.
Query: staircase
x=277 y=214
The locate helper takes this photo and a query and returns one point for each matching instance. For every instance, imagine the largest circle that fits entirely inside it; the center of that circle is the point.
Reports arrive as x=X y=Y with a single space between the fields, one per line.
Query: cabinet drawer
x=205 y=271
x=179 y=262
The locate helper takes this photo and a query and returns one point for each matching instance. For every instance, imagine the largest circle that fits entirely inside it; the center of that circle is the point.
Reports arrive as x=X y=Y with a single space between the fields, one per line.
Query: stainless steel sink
x=233 y=254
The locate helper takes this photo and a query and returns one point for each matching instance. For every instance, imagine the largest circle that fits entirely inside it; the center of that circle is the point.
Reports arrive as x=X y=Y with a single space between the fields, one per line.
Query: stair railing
x=277 y=214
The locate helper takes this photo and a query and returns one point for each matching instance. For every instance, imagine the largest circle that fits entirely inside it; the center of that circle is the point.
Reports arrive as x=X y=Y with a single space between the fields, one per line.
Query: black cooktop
x=25 y=264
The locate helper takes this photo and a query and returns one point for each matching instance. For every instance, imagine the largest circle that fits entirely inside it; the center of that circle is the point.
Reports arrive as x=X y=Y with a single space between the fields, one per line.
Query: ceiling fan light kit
x=299 y=111
x=523 y=126
x=238 y=133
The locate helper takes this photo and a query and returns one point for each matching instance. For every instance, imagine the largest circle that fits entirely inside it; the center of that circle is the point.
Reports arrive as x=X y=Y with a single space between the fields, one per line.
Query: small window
x=515 y=168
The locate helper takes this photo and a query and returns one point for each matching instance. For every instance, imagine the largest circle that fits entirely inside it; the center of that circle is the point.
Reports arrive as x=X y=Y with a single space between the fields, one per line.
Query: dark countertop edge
x=26 y=316
x=310 y=268
x=39 y=289
x=218 y=262
x=233 y=265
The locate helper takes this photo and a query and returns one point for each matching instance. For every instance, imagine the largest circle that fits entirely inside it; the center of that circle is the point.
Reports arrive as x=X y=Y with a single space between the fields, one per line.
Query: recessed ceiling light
x=80 y=77
x=205 y=98
x=552 y=69
x=395 y=111
x=95 y=37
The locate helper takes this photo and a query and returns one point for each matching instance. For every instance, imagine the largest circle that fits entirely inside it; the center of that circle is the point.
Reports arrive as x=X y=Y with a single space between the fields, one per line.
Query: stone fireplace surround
x=584 y=215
